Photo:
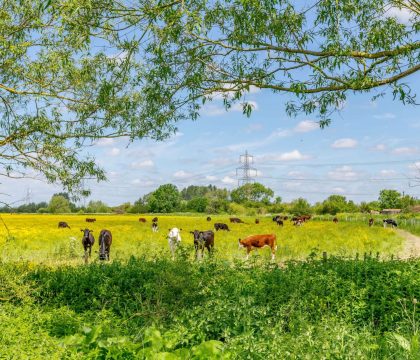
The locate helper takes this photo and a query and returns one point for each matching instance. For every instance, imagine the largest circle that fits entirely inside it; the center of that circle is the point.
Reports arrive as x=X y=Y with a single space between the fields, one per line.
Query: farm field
x=37 y=239
x=143 y=305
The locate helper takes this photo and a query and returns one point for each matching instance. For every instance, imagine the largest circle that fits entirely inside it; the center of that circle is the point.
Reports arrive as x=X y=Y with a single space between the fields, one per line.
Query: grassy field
x=143 y=305
x=36 y=238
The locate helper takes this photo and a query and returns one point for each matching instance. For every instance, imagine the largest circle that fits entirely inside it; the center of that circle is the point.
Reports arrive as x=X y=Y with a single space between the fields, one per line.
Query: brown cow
x=371 y=221
x=257 y=221
x=258 y=242
x=90 y=220
x=208 y=218
x=143 y=220
x=236 y=220
x=335 y=220
x=155 y=219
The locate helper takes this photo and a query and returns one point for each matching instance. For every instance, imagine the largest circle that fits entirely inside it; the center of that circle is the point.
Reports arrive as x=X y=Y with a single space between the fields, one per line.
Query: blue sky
x=369 y=146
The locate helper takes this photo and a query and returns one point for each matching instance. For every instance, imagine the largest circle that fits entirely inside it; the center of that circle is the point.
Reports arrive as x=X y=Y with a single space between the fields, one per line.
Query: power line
x=282 y=163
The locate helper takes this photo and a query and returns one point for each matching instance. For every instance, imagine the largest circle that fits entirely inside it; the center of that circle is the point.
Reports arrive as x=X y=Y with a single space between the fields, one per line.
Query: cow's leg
x=273 y=252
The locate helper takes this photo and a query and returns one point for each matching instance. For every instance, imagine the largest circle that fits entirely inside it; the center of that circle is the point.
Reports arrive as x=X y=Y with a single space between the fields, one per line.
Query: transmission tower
x=28 y=196
x=245 y=171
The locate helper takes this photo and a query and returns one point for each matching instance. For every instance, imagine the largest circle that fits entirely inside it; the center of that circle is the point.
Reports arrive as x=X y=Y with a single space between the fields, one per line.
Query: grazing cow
x=90 y=220
x=63 y=224
x=208 y=218
x=335 y=220
x=285 y=217
x=258 y=242
x=236 y=220
x=143 y=220
x=221 y=226
x=298 y=222
x=105 y=241
x=371 y=221
x=155 y=219
x=87 y=241
x=257 y=221
x=277 y=217
x=203 y=239
x=155 y=227
x=391 y=222
x=174 y=238
x=279 y=222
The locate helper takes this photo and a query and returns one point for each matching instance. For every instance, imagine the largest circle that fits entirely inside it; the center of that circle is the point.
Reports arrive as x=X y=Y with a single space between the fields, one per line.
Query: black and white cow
x=391 y=222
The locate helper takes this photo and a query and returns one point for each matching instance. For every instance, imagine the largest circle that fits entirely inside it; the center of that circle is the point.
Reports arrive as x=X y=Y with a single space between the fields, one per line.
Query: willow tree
x=76 y=71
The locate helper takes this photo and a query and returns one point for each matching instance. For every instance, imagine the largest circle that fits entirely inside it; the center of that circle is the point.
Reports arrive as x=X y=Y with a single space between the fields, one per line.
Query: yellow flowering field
x=37 y=238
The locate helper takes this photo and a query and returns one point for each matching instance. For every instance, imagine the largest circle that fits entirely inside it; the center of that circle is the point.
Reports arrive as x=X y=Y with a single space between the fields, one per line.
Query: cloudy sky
x=369 y=146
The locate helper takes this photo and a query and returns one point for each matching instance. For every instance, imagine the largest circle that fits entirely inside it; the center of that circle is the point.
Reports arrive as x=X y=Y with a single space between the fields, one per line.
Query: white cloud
x=211 y=178
x=415 y=166
x=388 y=172
x=385 y=116
x=105 y=142
x=343 y=173
x=114 y=151
x=380 y=147
x=142 y=183
x=338 y=190
x=228 y=180
x=142 y=164
x=405 y=150
x=306 y=126
x=292 y=155
x=345 y=143
x=217 y=110
x=402 y=15
x=181 y=174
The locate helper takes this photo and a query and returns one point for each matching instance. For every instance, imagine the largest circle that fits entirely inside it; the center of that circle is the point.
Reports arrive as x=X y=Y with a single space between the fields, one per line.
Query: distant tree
x=335 y=204
x=198 y=204
x=139 y=207
x=406 y=202
x=254 y=192
x=389 y=199
x=164 y=199
x=300 y=207
x=97 y=207
x=58 y=204
x=193 y=191
x=217 y=201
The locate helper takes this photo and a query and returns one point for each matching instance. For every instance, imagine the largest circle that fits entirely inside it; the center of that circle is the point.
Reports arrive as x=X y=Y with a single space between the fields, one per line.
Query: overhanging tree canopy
x=76 y=71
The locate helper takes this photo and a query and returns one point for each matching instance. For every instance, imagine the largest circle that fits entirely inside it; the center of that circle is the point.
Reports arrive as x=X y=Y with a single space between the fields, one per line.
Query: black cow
x=155 y=219
x=105 y=241
x=257 y=221
x=63 y=224
x=276 y=218
x=390 y=222
x=221 y=226
x=371 y=221
x=279 y=222
x=88 y=240
x=208 y=218
x=203 y=239
x=335 y=220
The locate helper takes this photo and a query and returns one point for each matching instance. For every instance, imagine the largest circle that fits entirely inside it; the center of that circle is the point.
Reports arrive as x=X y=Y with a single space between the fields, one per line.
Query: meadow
x=143 y=305
x=36 y=238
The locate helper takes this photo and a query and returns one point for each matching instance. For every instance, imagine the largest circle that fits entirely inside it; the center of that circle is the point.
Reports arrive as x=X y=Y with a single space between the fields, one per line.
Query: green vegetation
x=157 y=308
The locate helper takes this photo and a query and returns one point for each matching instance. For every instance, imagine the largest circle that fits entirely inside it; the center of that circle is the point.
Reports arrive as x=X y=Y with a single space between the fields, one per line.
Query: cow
x=391 y=222
x=105 y=241
x=174 y=238
x=155 y=227
x=335 y=220
x=277 y=217
x=371 y=221
x=63 y=224
x=257 y=221
x=298 y=222
x=236 y=220
x=203 y=239
x=155 y=219
x=143 y=220
x=279 y=222
x=87 y=241
x=285 y=217
x=208 y=218
x=221 y=226
x=258 y=242
x=90 y=220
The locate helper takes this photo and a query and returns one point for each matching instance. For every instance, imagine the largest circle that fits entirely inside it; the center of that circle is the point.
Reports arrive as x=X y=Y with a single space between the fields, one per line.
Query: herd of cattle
x=202 y=239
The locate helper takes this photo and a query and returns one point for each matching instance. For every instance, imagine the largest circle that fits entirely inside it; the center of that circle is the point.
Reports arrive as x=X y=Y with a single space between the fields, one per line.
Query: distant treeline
x=249 y=199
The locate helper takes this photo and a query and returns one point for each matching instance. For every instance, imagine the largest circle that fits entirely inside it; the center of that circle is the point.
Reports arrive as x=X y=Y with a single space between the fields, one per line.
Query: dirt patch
x=411 y=245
